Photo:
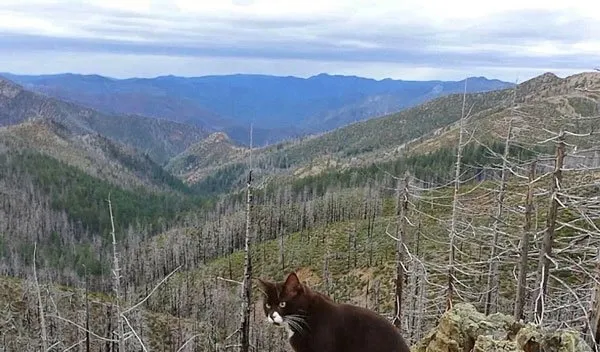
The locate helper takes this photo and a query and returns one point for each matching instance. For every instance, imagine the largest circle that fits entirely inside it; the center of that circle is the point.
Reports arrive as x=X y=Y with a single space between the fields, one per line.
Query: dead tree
x=87 y=312
x=401 y=226
x=455 y=206
x=40 y=305
x=247 y=281
x=524 y=246
x=117 y=281
x=594 y=336
x=491 y=299
x=544 y=261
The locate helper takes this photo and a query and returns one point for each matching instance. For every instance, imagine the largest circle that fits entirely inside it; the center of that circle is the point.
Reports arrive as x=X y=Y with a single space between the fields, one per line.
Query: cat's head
x=284 y=301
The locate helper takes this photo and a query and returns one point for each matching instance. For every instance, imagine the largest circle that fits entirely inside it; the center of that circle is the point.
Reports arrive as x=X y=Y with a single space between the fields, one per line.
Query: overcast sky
x=403 y=39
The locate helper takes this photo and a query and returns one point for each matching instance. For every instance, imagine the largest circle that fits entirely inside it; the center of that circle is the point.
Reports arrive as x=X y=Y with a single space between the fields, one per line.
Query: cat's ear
x=292 y=285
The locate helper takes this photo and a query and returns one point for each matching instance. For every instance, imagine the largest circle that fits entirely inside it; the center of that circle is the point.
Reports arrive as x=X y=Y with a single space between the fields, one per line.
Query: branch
x=135 y=333
x=187 y=341
x=82 y=328
x=151 y=292
x=228 y=280
x=74 y=345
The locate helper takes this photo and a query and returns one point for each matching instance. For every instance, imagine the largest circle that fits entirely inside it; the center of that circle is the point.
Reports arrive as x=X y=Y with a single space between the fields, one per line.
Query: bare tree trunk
x=594 y=336
x=491 y=300
x=117 y=280
x=40 y=305
x=326 y=270
x=367 y=295
x=416 y=283
x=401 y=208
x=523 y=266
x=377 y=296
x=281 y=249
x=451 y=269
x=247 y=283
x=546 y=249
x=354 y=245
x=87 y=313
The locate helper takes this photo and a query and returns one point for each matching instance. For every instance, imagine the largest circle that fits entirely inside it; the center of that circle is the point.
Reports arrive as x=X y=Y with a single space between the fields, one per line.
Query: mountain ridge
x=279 y=107
x=160 y=138
x=431 y=125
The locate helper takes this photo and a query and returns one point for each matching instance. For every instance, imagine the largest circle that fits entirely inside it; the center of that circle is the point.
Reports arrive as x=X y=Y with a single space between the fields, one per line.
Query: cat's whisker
x=297 y=319
x=302 y=316
x=297 y=322
x=295 y=326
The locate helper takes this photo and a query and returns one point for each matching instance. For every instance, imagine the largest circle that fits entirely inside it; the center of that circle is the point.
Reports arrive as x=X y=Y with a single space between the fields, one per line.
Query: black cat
x=317 y=324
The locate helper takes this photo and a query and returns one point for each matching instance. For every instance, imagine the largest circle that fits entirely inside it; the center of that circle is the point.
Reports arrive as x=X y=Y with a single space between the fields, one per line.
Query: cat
x=315 y=323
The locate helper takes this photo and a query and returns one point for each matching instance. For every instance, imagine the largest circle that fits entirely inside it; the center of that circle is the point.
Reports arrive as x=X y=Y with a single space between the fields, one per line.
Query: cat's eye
x=268 y=305
x=281 y=304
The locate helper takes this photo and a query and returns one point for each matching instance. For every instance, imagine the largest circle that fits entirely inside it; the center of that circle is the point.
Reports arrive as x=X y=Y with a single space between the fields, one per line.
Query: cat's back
x=365 y=330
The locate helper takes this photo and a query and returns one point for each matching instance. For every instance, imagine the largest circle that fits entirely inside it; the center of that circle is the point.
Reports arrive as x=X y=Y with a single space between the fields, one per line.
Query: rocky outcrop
x=8 y=89
x=464 y=329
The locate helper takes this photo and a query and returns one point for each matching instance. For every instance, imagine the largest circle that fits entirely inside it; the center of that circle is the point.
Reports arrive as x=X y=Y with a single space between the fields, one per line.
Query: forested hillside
x=61 y=162
x=431 y=128
x=161 y=139
x=486 y=198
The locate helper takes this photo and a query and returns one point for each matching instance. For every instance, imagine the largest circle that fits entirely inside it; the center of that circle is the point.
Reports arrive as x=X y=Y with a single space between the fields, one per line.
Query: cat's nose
x=271 y=318
x=276 y=318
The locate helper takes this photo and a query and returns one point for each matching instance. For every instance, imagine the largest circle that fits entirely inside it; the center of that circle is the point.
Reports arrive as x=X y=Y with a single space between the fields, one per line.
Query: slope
x=542 y=105
x=203 y=157
x=366 y=141
x=161 y=139
x=62 y=206
x=57 y=173
x=68 y=309
x=546 y=101
x=92 y=153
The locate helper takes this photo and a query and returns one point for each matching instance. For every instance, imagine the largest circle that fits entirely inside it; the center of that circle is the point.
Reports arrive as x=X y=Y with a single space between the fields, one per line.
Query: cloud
x=435 y=36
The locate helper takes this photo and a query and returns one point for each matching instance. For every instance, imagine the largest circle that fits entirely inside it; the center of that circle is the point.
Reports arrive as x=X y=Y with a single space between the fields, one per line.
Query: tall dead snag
x=524 y=249
x=455 y=205
x=491 y=299
x=401 y=209
x=117 y=280
x=87 y=311
x=594 y=336
x=281 y=246
x=40 y=305
x=247 y=282
x=417 y=285
x=544 y=262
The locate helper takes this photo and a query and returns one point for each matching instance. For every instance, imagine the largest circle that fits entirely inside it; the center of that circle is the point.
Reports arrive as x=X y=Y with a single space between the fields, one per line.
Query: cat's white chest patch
x=289 y=330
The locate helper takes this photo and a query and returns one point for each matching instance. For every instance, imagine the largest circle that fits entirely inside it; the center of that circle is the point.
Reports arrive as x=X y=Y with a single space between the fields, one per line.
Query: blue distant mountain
x=279 y=107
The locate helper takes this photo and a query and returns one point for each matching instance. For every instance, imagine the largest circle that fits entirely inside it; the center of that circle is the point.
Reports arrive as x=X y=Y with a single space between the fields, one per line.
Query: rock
x=8 y=89
x=464 y=329
x=487 y=343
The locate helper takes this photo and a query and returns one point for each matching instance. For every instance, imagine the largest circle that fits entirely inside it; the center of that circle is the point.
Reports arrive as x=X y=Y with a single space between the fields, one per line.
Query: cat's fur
x=317 y=324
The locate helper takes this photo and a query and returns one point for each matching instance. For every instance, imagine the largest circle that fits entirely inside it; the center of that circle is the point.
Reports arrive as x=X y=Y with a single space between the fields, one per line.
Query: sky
x=512 y=40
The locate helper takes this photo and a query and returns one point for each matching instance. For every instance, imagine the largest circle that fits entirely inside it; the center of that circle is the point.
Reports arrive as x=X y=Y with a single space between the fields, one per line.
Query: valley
x=436 y=182
x=279 y=107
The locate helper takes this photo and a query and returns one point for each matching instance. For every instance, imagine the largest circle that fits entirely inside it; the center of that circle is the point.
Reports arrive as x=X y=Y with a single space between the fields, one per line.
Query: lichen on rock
x=464 y=329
